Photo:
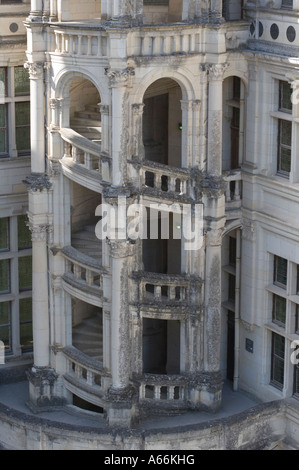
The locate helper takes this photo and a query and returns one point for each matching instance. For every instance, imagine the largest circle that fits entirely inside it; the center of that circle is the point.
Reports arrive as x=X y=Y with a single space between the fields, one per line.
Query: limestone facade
x=181 y=103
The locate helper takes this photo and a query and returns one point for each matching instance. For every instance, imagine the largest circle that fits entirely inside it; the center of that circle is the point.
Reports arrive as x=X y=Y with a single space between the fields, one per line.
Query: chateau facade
x=171 y=104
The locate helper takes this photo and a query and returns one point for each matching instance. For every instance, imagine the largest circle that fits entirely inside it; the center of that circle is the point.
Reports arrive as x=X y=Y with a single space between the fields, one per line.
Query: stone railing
x=233 y=194
x=150 y=41
x=168 y=289
x=162 y=388
x=175 y=181
x=85 y=153
x=84 y=375
x=82 y=271
x=81 y=42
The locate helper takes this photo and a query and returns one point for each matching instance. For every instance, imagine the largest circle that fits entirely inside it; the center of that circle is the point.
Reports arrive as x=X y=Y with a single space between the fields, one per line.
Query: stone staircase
x=88 y=123
x=87 y=243
x=88 y=337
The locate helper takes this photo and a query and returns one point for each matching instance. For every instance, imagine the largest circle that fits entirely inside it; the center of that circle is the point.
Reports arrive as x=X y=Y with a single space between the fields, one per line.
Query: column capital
x=39 y=232
x=119 y=78
x=137 y=108
x=121 y=248
x=55 y=103
x=215 y=71
x=104 y=108
x=36 y=70
x=37 y=182
x=213 y=237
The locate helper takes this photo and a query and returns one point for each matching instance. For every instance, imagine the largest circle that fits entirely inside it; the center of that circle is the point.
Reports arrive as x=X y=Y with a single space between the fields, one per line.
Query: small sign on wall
x=249 y=345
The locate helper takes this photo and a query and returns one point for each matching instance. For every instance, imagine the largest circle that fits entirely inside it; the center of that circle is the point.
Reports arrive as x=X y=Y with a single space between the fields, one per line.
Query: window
x=279 y=310
x=15 y=285
x=284 y=146
x=280 y=271
x=277 y=360
x=287 y=4
x=284 y=323
x=14 y=112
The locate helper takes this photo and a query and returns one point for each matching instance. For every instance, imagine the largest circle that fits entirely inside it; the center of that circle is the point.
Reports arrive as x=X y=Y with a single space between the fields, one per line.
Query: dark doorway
x=155 y=129
x=235 y=133
x=161 y=346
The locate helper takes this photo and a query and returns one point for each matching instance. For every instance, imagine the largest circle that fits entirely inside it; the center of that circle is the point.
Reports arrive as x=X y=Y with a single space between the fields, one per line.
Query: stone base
x=205 y=391
x=42 y=390
x=122 y=411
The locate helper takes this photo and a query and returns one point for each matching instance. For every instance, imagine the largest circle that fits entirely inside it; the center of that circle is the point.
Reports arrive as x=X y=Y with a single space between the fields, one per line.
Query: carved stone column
x=122 y=396
x=122 y=11
x=36 y=11
x=214 y=163
x=104 y=110
x=37 y=116
x=119 y=80
x=210 y=381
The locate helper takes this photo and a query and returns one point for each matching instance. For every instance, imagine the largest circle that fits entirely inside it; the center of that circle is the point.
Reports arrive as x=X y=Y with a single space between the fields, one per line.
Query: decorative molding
x=39 y=232
x=37 y=182
x=216 y=71
x=36 y=70
x=119 y=77
x=248 y=230
x=121 y=248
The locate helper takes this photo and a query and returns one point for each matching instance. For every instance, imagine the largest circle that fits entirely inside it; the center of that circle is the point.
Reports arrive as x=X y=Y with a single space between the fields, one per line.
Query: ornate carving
x=137 y=108
x=39 y=232
x=104 y=108
x=121 y=248
x=216 y=71
x=119 y=77
x=37 y=182
x=36 y=70
x=55 y=103
x=248 y=230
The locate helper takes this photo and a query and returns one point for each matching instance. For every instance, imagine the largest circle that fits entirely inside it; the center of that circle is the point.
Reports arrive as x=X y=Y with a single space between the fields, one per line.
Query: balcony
x=233 y=193
x=163 y=181
x=83 y=276
x=168 y=391
x=81 y=40
x=85 y=376
x=171 y=295
x=83 y=161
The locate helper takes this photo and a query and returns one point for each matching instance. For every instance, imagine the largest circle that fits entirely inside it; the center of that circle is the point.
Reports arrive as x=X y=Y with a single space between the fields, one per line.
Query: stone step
x=88 y=114
x=84 y=122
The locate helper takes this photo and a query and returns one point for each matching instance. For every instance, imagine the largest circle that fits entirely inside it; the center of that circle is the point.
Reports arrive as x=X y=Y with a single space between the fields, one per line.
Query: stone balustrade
x=233 y=194
x=168 y=290
x=160 y=388
x=165 y=178
x=84 y=375
x=165 y=41
x=82 y=271
x=85 y=153
x=80 y=42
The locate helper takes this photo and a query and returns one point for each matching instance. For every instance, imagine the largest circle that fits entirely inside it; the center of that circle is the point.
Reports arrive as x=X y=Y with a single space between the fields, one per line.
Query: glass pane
x=26 y=335
x=279 y=309
x=2 y=115
x=279 y=343
x=4 y=276
x=23 y=138
x=24 y=234
x=4 y=240
x=2 y=82
x=4 y=314
x=285 y=96
x=278 y=370
x=22 y=82
x=2 y=141
x=286 y=132
x=281 y=267
x=285 y=160
x=25 y=273
x=22 y=114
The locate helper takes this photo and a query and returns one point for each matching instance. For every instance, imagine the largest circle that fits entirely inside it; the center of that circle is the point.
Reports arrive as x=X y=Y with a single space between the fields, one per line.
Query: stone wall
x=262 y=427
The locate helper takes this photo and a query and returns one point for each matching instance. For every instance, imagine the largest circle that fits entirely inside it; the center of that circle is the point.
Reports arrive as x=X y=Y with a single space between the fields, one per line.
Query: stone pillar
x=122 y=396
x=37 y=116
x=104 y=110
x=122 y=10
x=118 y=81
x=36 y=10
x=210 y=380
x=137 y=150
x=215 y=112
